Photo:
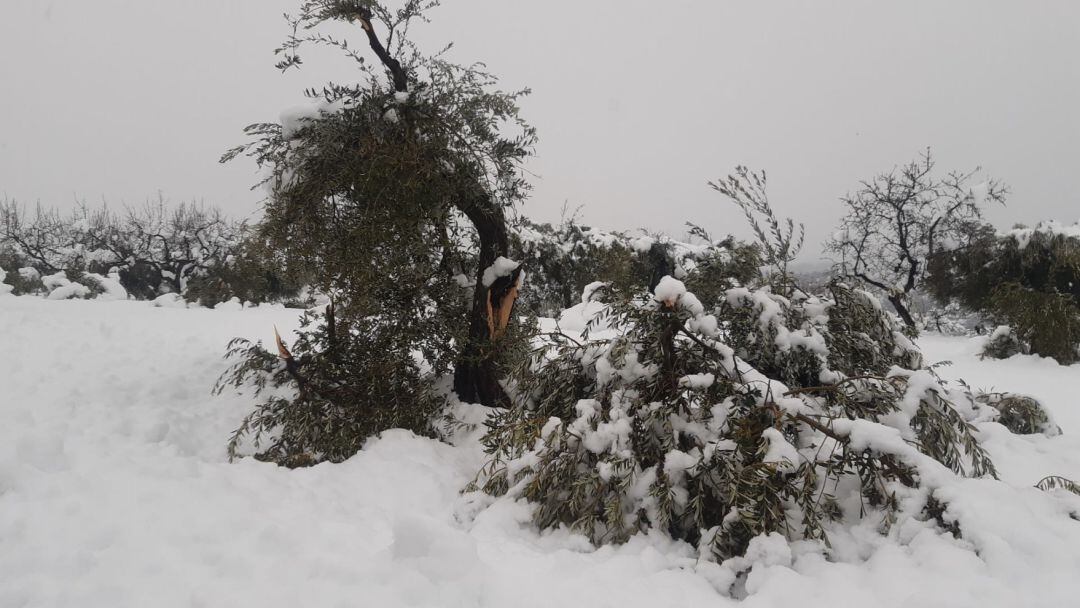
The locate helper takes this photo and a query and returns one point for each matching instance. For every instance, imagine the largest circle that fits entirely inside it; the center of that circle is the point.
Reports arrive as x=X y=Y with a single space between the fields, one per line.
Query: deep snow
x=115 y=491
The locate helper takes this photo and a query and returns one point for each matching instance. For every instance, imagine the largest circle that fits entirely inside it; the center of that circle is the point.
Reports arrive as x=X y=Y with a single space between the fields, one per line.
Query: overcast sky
x=637 y=104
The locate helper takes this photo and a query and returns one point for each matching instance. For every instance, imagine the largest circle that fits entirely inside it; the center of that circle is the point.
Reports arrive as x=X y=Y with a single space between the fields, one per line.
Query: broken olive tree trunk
x=476 y=374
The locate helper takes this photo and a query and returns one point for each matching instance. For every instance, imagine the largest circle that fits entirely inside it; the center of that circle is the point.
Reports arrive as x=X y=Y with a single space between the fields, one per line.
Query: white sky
x=637 y=103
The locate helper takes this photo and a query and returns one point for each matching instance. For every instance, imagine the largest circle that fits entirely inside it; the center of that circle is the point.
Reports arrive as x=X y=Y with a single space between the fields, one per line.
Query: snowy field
x=115 y=491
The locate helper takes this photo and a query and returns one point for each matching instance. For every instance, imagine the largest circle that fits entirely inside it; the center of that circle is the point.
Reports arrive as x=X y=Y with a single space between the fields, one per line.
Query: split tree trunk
x=476 y=378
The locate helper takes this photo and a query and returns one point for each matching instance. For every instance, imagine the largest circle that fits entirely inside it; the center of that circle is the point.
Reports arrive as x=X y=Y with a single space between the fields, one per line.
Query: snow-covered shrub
x=1020 y=414
x=710 y=270
x=71 y=285
x=766 y=414
x=562 y=259
x=254 y=272
x=27 y=281
x=1027 y=278
x=1002 y=343
x=338 y=385
x=1056 y=482
x=19 y=279
x=1048 y=323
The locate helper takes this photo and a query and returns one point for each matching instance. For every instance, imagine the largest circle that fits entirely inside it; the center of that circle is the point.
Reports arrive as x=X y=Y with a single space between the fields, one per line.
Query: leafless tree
x=49 y=241
x=180 y=242
x=896 y=221
x=154 y=247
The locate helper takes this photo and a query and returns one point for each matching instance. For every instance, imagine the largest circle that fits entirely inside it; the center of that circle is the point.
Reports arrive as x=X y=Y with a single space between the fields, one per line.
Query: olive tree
x=391 y=193
x=896 y=221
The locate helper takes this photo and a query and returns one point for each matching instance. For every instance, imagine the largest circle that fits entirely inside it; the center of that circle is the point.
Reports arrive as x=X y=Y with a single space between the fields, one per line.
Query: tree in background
x=898 y=220
x=564 y=258
x=1027 y=279
x=189 y=249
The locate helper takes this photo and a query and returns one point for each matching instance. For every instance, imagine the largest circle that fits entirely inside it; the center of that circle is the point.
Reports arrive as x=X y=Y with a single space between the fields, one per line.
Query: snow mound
x=5 y=289
x=61 y=288
x=113 y=290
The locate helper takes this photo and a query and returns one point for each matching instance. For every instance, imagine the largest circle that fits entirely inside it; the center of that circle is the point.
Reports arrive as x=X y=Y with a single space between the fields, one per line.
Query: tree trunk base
x=905 y=314
x=476 y=382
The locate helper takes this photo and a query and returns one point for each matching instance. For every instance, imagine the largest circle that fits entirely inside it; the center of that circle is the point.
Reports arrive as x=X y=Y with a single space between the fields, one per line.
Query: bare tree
x=49 y=241
x=154 y=248
x=174 y=244
x=896 y=221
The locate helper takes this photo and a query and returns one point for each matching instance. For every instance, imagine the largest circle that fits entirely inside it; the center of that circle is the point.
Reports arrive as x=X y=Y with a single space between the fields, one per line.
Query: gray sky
x=638 y=104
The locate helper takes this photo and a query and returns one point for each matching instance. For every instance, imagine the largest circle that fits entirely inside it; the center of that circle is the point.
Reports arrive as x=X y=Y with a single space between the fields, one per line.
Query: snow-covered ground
x=115 y=491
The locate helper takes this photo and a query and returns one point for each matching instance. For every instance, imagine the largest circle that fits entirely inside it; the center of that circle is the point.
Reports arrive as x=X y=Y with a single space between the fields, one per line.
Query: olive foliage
x=1027 y=279
x=718 y=421
x=391 y=194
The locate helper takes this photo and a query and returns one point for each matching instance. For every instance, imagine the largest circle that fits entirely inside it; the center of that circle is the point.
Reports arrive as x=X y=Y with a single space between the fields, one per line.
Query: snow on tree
x=765 y=410
x=898 y=220
x=1027 y=280
x=766 y=414
x=149 y=250
x=386 y=194
x=564 y=258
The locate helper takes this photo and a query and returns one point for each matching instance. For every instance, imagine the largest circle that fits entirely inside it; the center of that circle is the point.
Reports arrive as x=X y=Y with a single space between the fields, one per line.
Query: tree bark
x=661 y=265
x=897 y=302
x=476 y=378
x=401 y=81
